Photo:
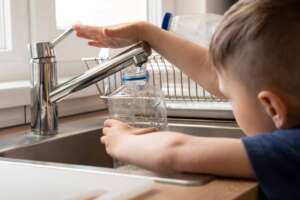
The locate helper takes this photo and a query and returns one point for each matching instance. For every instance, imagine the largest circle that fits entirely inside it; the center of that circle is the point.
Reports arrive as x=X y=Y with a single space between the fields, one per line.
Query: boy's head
x=256 y=52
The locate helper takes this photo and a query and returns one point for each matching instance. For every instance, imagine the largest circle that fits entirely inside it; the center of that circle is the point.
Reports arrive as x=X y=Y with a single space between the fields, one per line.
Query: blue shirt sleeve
x=275 y=159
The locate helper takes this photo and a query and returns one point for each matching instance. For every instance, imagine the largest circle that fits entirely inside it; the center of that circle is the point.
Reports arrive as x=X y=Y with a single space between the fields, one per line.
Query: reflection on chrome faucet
x=45 y=91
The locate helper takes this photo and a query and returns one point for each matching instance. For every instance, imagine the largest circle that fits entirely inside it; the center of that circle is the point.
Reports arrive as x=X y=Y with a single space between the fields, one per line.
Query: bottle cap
x=135 y=77
x=166 y=21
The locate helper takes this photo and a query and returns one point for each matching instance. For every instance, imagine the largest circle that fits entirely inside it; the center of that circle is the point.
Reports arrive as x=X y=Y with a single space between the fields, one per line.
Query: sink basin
x=79 y=145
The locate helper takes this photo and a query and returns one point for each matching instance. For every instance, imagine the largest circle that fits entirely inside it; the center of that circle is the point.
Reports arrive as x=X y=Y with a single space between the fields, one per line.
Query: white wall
x=186 y=7
x=219 y=6
x=169 y=6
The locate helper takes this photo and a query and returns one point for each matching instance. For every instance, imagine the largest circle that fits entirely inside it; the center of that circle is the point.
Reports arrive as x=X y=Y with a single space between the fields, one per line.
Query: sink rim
x=203 y=179
x=27 y=138
x=69 y=129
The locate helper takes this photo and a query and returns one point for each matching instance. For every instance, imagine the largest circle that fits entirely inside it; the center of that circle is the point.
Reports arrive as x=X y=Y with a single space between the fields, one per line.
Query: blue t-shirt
x=275 y=159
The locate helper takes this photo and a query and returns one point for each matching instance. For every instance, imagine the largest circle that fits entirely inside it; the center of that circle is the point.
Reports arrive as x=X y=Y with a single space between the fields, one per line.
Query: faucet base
x=44 y=133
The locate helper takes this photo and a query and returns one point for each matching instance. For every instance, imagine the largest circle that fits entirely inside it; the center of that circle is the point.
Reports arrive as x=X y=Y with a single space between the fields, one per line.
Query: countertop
x=220 y=188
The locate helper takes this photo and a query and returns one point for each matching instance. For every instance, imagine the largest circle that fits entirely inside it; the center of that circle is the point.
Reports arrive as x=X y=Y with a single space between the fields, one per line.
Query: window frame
x=68 y=56
x=29 y=17
x=5 y=24
x=15 y=58
x=3 y=10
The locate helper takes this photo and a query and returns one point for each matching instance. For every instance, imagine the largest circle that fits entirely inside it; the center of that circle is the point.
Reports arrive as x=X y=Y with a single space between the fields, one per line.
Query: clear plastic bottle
x=137 y=102
x=196 y=28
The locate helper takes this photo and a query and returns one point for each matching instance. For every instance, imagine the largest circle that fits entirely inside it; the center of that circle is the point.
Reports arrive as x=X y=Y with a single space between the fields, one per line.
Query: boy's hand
x=117 y=36
x=116 y=133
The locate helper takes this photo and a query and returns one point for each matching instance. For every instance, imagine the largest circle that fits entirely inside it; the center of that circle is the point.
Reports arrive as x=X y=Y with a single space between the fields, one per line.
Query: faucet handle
x=46 y=49
x=62 y=36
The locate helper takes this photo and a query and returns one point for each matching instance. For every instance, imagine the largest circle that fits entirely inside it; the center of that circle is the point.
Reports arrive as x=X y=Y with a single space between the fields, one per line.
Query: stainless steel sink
x=79 y=145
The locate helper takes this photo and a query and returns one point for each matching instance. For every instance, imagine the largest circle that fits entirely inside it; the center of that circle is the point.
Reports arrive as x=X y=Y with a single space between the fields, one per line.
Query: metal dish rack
x=184 y=97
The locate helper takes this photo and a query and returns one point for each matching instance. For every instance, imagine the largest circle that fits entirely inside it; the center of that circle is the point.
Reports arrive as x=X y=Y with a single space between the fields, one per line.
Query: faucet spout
x=136 y=55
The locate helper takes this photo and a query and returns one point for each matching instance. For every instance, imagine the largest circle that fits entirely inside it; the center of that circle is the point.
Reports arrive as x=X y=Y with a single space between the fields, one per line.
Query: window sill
x=15 y=103
x=16 y=94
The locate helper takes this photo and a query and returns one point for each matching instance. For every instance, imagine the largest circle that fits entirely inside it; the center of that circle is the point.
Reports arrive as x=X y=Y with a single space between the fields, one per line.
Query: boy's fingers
x=107 y=123
x=105 y=130
x=97 y=44
x=87 y=35
x=88 y=32
x=111 y=122
x=86 y=28
x=103 y=140
x=145 y=130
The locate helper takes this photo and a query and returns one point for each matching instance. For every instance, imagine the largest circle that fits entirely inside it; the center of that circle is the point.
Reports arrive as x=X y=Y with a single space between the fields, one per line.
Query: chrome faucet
x=45 y=91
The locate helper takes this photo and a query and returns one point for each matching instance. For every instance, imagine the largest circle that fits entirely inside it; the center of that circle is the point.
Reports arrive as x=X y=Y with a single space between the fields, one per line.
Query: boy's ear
x=274 y=107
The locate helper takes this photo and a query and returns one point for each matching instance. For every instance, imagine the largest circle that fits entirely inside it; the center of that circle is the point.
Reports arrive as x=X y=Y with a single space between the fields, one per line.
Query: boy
x=254 y=61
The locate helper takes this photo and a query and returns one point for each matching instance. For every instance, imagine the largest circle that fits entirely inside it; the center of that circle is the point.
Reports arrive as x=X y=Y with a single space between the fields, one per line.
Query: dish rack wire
x=184 y=97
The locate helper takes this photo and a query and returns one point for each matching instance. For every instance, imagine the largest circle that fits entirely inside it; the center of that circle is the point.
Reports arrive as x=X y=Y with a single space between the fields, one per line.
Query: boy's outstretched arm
x=191 y=58
x=173 y=152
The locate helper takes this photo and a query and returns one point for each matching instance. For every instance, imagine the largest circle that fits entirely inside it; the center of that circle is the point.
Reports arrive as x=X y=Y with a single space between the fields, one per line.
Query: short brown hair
x=259 y=40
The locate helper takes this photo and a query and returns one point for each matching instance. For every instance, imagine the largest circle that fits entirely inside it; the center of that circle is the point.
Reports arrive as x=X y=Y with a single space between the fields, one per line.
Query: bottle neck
x=136 y=79
x=135 y=82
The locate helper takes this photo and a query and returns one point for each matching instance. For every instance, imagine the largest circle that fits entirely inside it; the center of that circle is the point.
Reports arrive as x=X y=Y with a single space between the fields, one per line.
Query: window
x=22 y=22
x=99 y=12
x=14 y=38
x=92 y=12
x=26 y=21
x=4 y=25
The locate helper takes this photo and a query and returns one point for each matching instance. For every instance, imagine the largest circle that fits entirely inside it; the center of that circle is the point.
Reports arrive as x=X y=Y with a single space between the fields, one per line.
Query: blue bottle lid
x=135 y=77
x=166 y=21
